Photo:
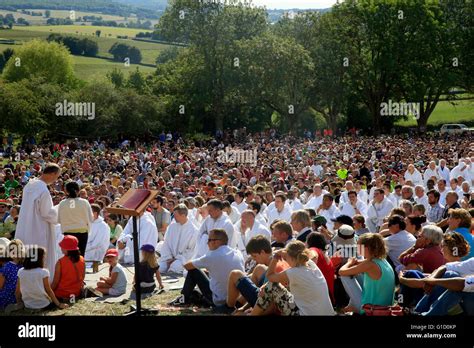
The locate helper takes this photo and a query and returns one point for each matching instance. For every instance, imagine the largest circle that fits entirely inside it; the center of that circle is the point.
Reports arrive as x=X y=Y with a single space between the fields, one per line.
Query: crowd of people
x=312 y=226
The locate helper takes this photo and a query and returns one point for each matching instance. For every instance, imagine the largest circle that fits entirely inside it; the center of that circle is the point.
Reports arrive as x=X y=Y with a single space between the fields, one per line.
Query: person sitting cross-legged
x=219 y=261
x=243 y=288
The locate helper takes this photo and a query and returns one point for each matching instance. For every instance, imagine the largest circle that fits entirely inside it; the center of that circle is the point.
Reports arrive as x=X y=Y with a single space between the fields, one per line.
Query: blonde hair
x=150 y=259
x=297 y=250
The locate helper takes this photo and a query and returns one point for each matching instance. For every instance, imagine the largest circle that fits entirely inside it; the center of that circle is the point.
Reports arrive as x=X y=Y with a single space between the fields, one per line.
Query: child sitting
x=116 y=283
x=33 y=289
x=148 y=269
x=10 y=263
x=70 y=270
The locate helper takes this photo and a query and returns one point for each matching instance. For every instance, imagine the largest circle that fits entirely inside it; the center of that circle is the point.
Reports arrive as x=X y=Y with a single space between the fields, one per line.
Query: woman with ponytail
x=309 y=291
x=75 y=215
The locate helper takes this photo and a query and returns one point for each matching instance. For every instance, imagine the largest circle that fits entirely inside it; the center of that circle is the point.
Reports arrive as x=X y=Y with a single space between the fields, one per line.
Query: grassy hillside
x=149 y=50
x=95 y=68
x=445 y=112
x=83 y=30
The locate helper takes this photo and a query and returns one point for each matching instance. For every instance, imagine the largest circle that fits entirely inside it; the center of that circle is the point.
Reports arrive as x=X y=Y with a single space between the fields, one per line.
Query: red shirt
x=430 y=258
x=327 y=269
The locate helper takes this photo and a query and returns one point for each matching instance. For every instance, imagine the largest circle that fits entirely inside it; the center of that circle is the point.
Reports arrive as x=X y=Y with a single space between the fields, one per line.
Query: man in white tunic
x=379 y=208
x=247 y=228
x=354 y=206
x=216 y=219
x=147 y=234
x=37 y=216
x=98 y=240
x=180 y=241
x=280 y=211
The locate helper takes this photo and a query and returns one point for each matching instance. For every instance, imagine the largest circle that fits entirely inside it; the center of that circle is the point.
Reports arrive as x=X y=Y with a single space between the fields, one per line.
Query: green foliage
x=122 y=51
x=76 y=46
x=40 y=59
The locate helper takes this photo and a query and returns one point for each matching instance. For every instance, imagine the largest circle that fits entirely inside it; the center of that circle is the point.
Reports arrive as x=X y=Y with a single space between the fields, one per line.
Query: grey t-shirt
x=163 y=217
x=120 y=284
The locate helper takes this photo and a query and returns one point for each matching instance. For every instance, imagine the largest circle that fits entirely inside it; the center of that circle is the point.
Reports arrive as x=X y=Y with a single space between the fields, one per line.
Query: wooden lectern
x=133 y=203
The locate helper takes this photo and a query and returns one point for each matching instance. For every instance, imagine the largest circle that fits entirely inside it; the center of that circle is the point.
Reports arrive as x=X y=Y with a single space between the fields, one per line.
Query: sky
x=285 y=4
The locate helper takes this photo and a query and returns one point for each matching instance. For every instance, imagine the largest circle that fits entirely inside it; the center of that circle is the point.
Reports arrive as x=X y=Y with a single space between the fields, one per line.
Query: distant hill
x=152 y=4
x=114 y=7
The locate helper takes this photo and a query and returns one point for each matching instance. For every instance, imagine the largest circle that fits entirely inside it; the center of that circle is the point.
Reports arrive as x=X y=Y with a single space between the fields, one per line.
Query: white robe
x=179 y=243
x=347 y=209
x=147 y=234
x=377 y=212
x=98 y=241
x=36 y=221
x=209 y=224
x=243 y=238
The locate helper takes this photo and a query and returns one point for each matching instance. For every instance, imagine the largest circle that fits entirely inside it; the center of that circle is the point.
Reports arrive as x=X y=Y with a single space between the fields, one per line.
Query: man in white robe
x=354 y=206
x=247 y=228
x=147 y=234
x=37 y=216
x=378 y=210
x=98 y=240
x=180 y=241
x=216 y=219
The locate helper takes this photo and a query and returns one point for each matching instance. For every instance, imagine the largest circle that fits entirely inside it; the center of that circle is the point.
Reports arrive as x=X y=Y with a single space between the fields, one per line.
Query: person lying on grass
x=116 y=283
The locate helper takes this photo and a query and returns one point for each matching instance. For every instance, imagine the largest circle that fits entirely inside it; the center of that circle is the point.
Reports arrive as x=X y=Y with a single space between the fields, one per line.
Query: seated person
x=399 y=239
x=219 y=261
x=148 y=270
x=370 y=281
x=33 y=289
x=98 y=240
x=426 y=253
x=70 y=271
x=243 y=288
x=309 y=291
x=180 y=242
x=11 y=259
x=317 y=243
x=116 y=283
x=454 y=248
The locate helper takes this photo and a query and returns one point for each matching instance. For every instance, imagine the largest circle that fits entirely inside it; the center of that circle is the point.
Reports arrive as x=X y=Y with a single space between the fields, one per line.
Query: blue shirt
x=464 y=231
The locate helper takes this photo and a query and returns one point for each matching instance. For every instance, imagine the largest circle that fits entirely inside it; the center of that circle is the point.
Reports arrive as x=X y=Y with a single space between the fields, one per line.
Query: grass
x=86 y=308
x=88 y=68
x=149 y=50
x=445 y=112
x=83 y=30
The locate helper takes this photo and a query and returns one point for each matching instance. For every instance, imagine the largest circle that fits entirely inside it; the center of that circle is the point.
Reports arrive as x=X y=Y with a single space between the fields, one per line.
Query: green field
x=149 y=50
x=445 y=112
x=95 y=68
x=83 y=30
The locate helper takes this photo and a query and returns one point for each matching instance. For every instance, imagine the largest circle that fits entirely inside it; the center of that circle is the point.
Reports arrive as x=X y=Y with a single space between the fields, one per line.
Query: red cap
x=69 y=243
x=112 y=252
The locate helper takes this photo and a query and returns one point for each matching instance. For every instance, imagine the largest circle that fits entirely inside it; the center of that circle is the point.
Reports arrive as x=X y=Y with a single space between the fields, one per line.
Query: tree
x=212 y=29
x=135 y=55
x=117 y=78
x=167 y=54
x=90 y=47
x=286 y=83
x=121 y=51
x=36 y=58
x=4 y=57
x=47 y=13
x=97 y=33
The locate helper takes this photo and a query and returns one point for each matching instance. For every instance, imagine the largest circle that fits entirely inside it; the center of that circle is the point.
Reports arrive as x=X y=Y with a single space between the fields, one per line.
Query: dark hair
x=225 y=204
x=316 y=240
x=216 y=204
x=34 y=257
x=96 y=208
x=311 y=212
x=241 y=194
x=255 y=206
x=282 y=196
x=352 y=192
x=328 y=195
x=398 y=187
x=72 y=188
x=220 y=234
x=397 y=220
x=74 y=255
x=159 y=199
x=416 y=220
x=435 y=194
x=258 y=244
x=284 y=227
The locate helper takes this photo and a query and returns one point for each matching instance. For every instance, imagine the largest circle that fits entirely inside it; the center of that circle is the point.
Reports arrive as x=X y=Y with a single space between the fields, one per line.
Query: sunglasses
x=212 y=239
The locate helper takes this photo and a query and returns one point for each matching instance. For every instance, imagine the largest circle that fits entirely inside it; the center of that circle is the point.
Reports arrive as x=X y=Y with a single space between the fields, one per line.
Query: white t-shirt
x=32 y=289
x=310 y=290
x=464 y=268
x=397 y=243
x=220 y=263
